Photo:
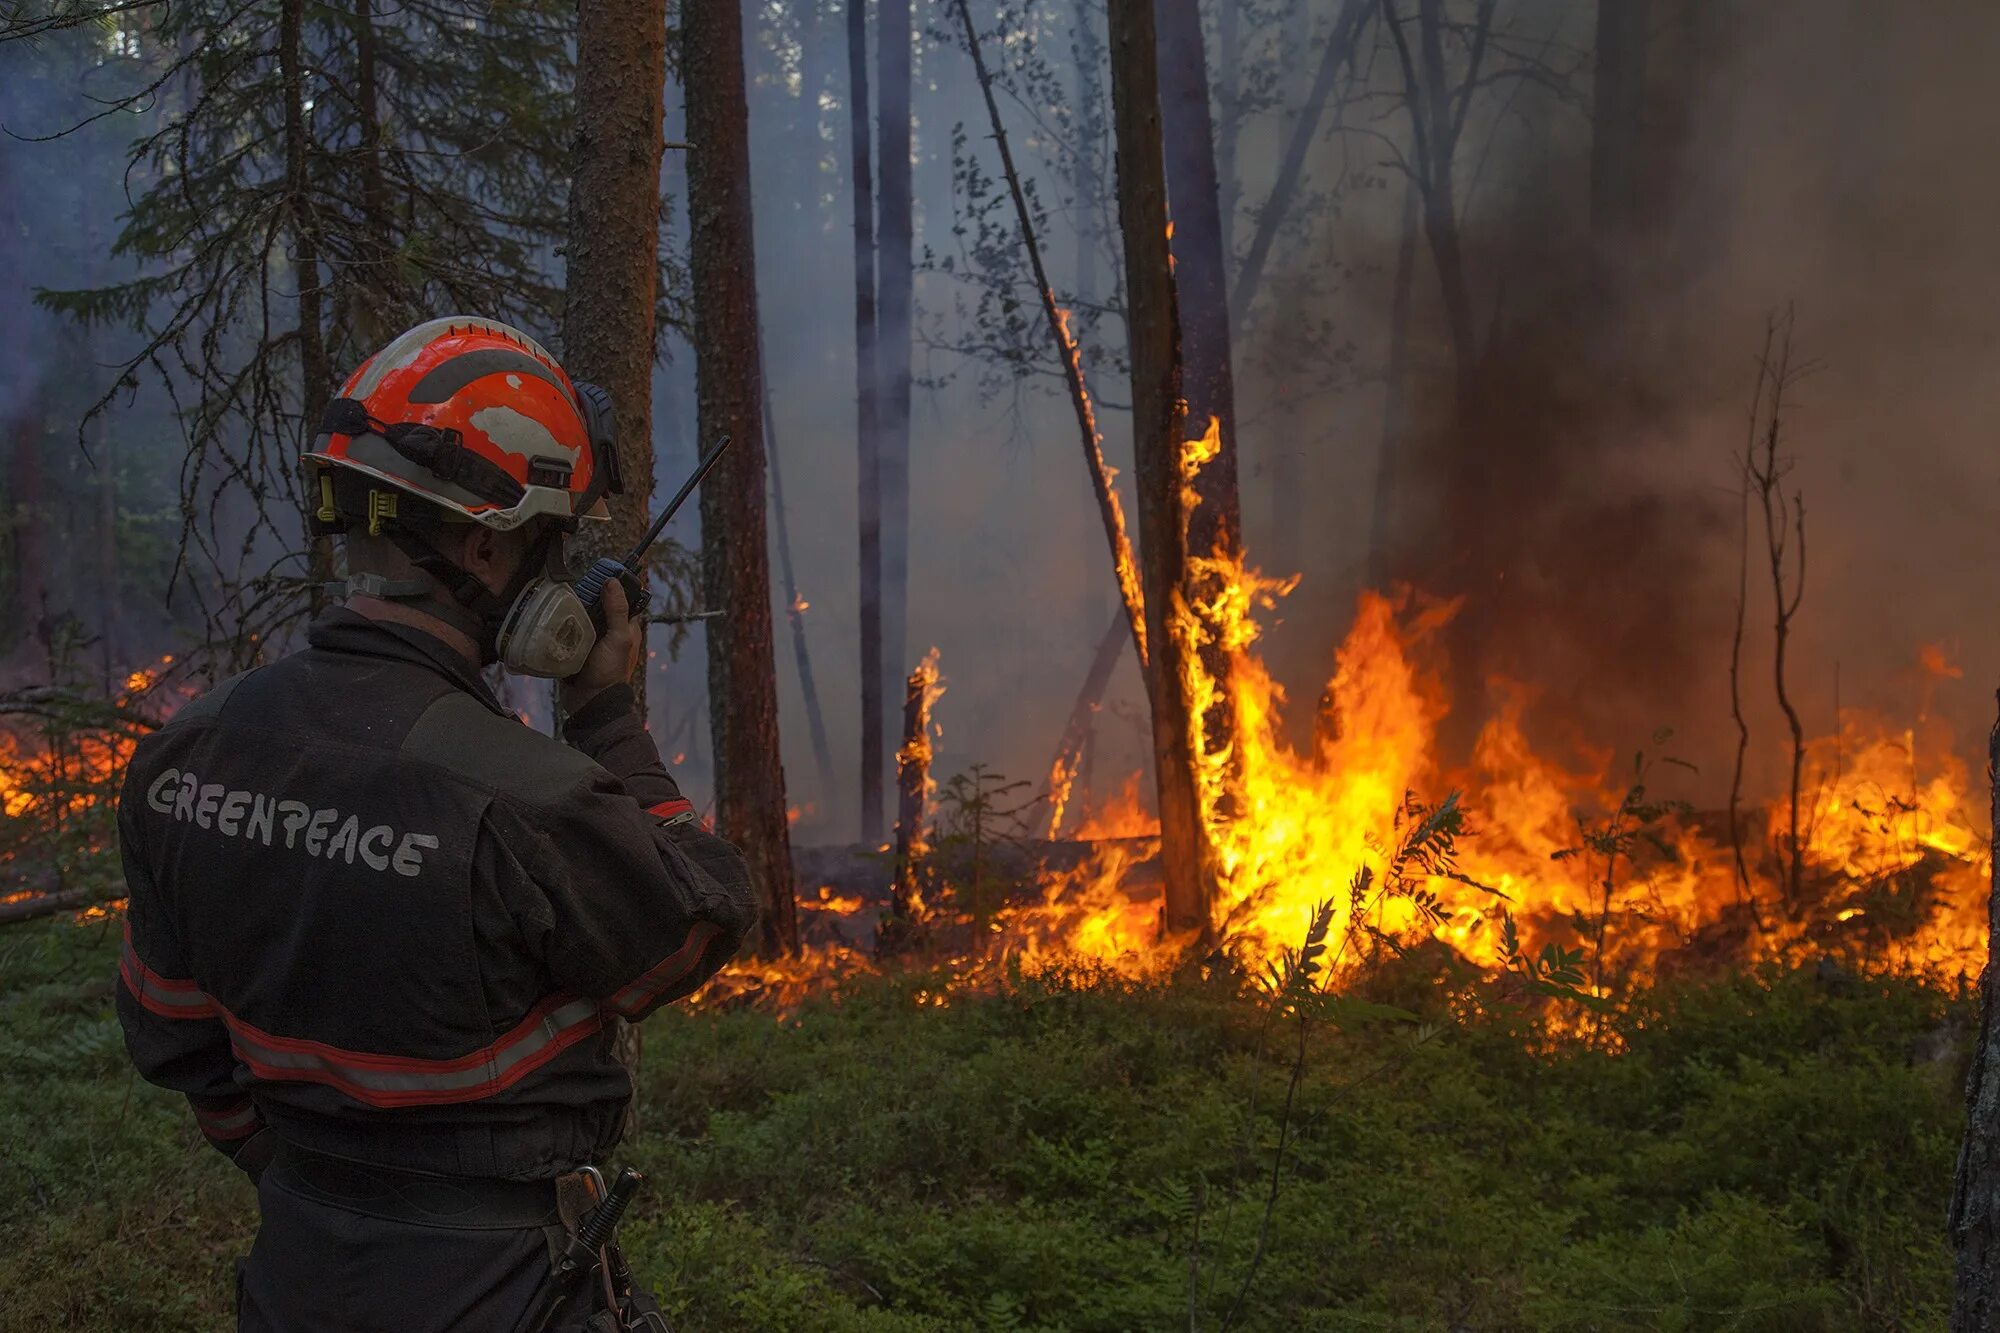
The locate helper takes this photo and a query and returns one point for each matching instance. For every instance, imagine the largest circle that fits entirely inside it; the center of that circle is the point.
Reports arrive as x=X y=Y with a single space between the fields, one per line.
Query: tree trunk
x=867 y=427
x=1201 y=285
x=613 y=270
x=1075 y=740
x=1291 y=168
x=735 y=561
x=614 y=219
x=1387 y=516
x=1201 y=293
x=1229 y=40
x=1159 y=430
x=1974 y=1220
x=892 y=348
x=31 y=511
x=795 y=613
x=1441 y=210
x=315 y=372
x=913 y=780
x=379 y=297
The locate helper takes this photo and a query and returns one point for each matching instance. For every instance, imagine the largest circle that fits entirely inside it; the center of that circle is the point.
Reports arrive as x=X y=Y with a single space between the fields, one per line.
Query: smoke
x=1813 y=156
x=1829 y=155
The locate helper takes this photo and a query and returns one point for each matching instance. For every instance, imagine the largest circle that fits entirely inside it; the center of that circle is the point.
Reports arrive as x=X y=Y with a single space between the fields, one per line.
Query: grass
x=1771 y=1151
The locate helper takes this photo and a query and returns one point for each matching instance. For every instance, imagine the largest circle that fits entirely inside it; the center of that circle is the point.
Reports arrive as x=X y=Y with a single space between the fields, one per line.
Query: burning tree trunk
x=892 y=346
x=1159 y=428
x=614 y=220
x=1201 y=292
x=1076 y=732
x=913 y=783
x=1974 y=1220
x=867 y=440
x=735 y=562
x=1201 y=287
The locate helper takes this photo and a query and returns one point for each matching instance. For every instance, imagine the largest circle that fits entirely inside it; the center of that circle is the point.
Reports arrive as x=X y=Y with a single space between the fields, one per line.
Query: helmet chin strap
x=475 y=610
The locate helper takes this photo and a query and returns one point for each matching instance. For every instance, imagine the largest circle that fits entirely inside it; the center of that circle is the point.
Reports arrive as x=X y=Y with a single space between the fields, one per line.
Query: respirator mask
x=546 y=630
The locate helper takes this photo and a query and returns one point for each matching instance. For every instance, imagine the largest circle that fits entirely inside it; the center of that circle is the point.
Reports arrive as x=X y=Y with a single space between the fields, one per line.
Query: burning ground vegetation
x=1556 y=881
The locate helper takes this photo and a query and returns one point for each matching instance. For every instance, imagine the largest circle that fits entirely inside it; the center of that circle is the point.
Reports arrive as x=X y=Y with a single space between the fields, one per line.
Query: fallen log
x=48 y=904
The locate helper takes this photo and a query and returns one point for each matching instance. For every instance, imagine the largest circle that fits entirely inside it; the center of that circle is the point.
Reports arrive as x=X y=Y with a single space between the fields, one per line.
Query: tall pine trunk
x=735 y=558
x=1201 y=284
x=1201 y=292
x=613 y=268
x=1392 y=461
x=892 y=348
x=315 y=371
x=1159 y=429
x=867 y=426
x=614 y=219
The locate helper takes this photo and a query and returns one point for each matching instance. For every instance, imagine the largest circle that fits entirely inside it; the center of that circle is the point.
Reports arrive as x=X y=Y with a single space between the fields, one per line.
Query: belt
x=463 y=1203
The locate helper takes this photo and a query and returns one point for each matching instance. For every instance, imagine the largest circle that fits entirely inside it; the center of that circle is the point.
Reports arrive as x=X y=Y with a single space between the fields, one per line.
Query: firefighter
x=381 y=933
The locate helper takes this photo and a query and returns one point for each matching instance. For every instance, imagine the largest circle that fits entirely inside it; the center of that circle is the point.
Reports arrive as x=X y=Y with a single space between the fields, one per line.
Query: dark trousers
x=318 y=1266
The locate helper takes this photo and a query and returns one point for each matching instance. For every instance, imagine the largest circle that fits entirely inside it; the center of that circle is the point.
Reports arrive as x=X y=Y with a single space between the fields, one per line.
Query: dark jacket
x=373 y=911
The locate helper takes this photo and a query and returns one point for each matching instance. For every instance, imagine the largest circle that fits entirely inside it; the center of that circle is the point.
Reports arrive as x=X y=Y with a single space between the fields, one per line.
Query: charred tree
x=867 y=427
x=735 y=560
x=1974 y=1220
x=895 y=310
x=1159 y=429
x=1201 y=286
x=1201 y=292
x=1075 y=740
x=913 y=783
x=614 y=220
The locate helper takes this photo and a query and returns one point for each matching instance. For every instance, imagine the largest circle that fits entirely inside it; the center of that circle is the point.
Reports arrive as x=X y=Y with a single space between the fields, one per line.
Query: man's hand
x=616 y=655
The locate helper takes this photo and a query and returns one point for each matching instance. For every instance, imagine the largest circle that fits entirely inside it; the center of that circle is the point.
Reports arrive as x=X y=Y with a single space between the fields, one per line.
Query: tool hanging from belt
x=590 y=1251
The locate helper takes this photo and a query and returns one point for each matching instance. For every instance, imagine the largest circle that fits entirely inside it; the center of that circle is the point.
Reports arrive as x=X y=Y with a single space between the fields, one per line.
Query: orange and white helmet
x=476 y=418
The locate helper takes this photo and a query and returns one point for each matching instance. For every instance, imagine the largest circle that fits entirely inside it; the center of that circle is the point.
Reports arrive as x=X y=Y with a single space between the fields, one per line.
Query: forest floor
x=1768 y=1151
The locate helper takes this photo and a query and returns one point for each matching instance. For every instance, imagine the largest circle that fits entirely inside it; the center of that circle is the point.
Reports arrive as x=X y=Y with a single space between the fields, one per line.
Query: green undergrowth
x=1769 y=1151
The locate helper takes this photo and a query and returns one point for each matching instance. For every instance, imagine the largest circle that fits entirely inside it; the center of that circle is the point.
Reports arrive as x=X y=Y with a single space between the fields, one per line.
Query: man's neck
x=395 y=613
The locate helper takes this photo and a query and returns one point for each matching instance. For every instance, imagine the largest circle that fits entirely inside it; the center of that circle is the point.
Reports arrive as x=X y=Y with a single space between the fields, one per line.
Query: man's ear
x=489 y=556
